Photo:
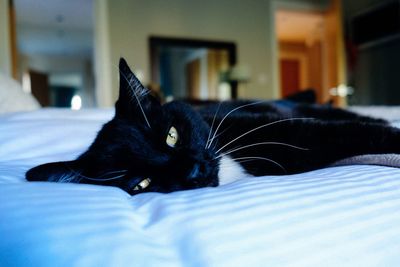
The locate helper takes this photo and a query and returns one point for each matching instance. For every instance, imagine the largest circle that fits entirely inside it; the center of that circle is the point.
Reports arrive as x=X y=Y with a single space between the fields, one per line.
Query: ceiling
x=56 y=27
x=298 y=26
x=65 y=28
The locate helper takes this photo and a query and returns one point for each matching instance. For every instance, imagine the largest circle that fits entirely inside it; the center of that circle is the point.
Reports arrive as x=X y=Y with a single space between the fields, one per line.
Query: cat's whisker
x=230 y=112
x=215 y=145
x=81 y=176
x=212 y=125
x=101 y=179
x=260 y=127
x=266 y=159
x=233 y=164
x=221 y=133
x=259 y=144
x=136 y=96
x=66 y=178
x=247 y=159
x=113 y=172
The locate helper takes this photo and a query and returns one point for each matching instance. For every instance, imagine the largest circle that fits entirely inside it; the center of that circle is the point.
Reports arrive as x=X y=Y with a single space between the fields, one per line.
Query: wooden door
x=40 y=87
x=290 y=76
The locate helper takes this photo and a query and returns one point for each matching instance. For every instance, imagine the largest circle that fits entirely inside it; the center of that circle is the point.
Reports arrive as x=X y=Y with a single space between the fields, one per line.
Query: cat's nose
x=195 y=172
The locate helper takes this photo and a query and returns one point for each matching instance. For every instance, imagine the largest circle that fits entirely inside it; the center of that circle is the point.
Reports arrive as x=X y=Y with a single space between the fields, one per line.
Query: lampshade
x=239 y=73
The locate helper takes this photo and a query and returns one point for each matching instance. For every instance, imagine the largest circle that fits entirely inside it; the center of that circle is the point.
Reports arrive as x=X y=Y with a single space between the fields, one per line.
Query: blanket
x=337 y=216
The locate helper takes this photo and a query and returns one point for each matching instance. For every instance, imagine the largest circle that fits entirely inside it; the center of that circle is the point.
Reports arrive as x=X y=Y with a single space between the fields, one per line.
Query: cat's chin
x=230 y=171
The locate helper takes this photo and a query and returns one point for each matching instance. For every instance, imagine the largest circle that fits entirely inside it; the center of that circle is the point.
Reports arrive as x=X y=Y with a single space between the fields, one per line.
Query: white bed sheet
x=340 y=216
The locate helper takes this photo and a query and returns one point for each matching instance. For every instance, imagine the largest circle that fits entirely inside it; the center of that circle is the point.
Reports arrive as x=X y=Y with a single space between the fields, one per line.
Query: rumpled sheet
x=338 y=216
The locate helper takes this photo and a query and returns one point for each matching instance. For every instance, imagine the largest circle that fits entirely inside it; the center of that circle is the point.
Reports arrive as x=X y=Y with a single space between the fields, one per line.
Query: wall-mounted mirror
x=192 y=69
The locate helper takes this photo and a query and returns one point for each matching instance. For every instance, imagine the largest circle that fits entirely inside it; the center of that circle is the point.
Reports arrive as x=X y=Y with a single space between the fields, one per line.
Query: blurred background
x=66 y=53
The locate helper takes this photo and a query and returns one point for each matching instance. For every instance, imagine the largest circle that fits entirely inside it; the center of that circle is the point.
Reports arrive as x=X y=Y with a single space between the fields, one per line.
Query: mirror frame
x=155 y=42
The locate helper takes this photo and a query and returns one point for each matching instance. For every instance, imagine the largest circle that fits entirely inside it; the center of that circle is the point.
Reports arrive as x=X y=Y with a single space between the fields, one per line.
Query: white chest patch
x=230 y=171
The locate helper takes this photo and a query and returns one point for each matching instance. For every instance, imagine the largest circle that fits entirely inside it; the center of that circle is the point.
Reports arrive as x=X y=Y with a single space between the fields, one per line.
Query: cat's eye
x=142 y=185
x=172 y=137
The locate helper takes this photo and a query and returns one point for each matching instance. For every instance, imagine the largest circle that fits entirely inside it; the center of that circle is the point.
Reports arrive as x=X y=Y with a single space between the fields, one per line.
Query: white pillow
x=13 y=98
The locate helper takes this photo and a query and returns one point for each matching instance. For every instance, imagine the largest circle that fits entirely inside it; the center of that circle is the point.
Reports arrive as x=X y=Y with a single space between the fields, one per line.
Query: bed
x=338 y=216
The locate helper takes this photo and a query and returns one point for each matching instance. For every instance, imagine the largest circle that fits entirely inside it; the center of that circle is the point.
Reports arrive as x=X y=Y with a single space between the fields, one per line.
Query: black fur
x=292 y=137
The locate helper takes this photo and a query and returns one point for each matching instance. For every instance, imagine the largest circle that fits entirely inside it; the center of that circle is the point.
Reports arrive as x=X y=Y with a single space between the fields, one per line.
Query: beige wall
x=123 y=27
x=5 y=52
x=132 y=22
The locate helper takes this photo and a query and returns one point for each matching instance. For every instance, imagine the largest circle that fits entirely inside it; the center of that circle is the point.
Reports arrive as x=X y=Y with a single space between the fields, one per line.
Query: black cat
x=163 y=148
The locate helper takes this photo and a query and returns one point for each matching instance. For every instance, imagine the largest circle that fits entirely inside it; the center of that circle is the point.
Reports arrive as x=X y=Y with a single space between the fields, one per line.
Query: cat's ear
x=63 y=171
x=130 y=87
x=134 y=101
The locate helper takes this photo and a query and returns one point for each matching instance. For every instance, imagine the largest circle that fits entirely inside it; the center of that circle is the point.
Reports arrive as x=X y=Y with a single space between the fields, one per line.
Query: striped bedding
x=338 y=216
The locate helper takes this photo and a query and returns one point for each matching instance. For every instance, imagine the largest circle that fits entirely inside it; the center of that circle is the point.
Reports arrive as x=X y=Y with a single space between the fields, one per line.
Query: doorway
x=300 y=35
x=311 y=52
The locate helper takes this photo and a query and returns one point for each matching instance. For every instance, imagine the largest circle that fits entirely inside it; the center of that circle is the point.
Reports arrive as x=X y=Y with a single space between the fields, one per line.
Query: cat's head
x=145 y=147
